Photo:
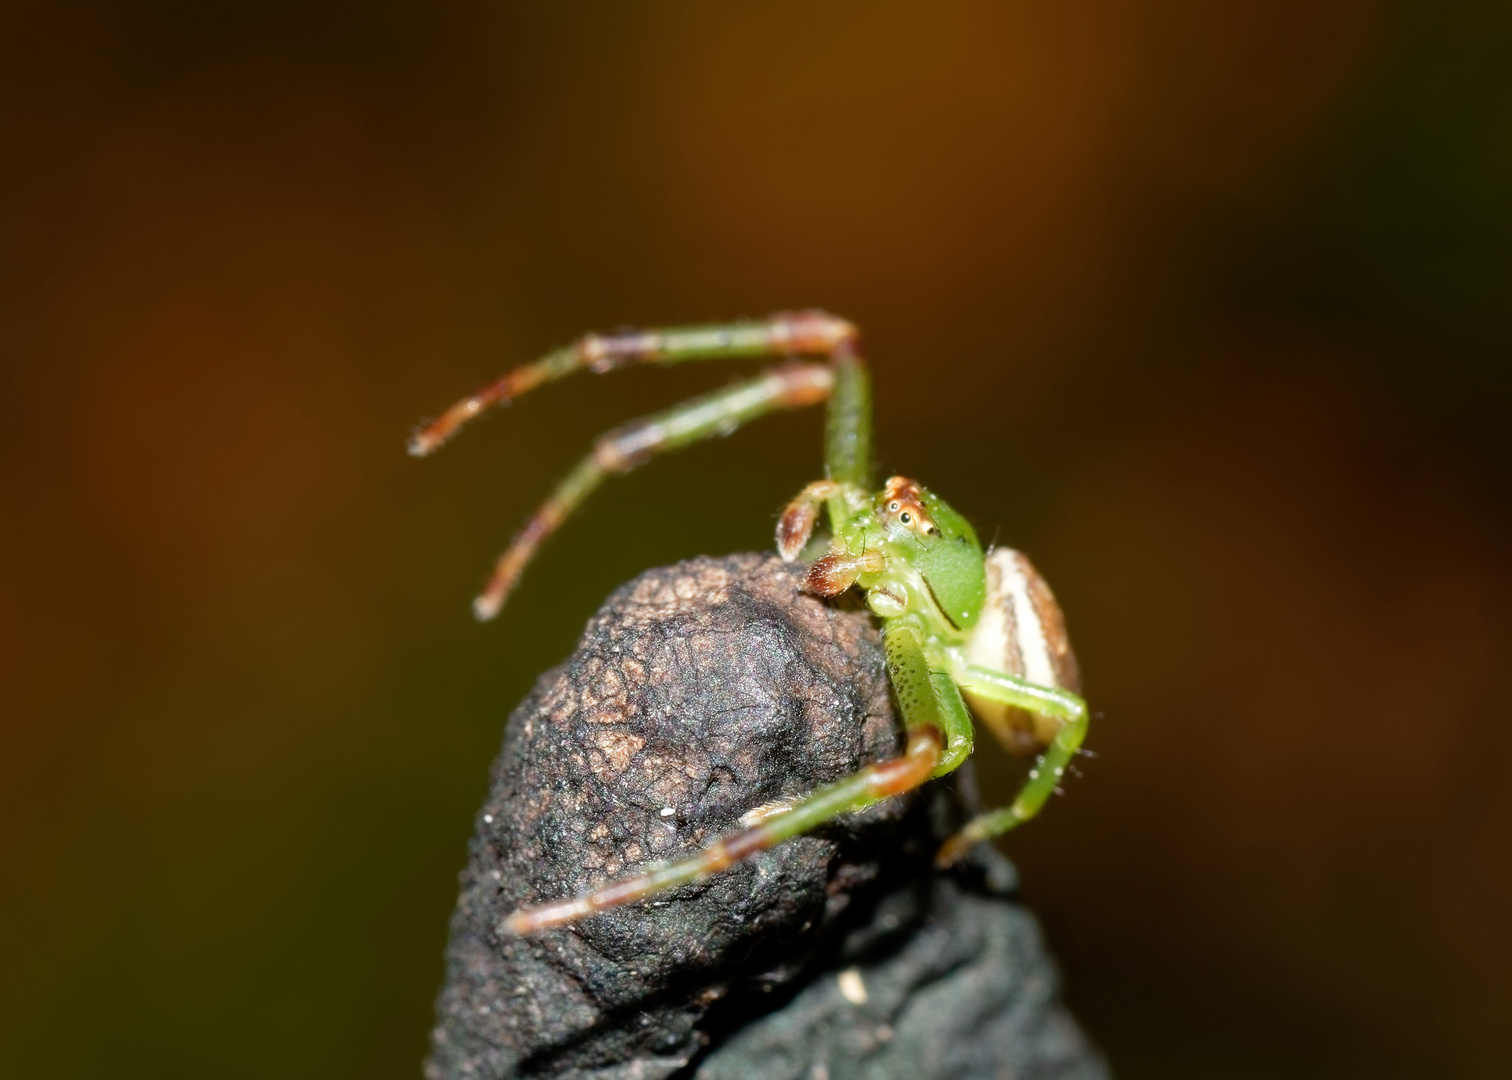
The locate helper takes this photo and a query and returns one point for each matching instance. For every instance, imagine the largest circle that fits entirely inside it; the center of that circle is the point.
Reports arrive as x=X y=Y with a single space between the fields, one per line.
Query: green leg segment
x=1048 y=769
x=926 y=696
x=957 y=721
x=848 y=426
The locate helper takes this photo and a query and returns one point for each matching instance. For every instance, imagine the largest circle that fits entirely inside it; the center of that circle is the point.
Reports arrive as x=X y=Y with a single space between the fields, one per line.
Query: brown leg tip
x=487 y=607
x=951 y=852
x=422 y=443
x=794 y=528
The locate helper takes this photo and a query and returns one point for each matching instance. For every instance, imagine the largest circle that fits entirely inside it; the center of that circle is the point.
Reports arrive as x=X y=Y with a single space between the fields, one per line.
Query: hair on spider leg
x=850 y=549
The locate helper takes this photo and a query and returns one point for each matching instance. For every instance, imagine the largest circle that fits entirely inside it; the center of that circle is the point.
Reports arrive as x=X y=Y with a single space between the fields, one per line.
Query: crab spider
x=965 y=634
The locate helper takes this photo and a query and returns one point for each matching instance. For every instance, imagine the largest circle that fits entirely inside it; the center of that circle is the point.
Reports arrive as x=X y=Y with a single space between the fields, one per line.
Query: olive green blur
x=1203 y=306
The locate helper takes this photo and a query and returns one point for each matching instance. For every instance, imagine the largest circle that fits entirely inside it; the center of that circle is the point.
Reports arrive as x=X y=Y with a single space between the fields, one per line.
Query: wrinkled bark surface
x=698 y=692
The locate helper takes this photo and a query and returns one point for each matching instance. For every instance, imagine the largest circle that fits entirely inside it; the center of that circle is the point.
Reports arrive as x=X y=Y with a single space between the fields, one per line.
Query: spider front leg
x=798 y=333
x=843 y=381
x=632 y=445
x=939 y=739
x=1048 y=769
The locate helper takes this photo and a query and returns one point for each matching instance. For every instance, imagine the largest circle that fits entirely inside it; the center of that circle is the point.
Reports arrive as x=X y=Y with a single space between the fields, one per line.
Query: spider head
x=940 y=544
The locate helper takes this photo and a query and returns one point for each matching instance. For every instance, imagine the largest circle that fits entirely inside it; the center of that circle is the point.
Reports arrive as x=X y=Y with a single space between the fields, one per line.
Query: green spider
x=964 y=634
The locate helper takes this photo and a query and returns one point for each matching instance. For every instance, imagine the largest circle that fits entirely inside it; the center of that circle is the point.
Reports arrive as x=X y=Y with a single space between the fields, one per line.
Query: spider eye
x=932 y=531
x=905 y=517
x=893 y=506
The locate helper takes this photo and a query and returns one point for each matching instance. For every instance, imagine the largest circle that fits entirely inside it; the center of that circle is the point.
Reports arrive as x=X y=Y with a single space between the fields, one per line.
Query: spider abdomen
x=1022 y=632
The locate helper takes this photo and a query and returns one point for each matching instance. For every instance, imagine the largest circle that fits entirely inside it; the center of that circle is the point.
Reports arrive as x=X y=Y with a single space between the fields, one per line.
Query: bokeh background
x=1208 y=307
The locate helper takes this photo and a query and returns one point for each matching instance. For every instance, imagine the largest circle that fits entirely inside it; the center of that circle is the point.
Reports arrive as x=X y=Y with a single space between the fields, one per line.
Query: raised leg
x=848 y=426
x=1048 y=769
x=802 y=333
x=933 y=747
x=627 y=447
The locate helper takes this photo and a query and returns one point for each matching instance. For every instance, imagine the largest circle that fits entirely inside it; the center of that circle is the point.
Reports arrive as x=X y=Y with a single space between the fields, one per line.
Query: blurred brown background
x=1208 y=307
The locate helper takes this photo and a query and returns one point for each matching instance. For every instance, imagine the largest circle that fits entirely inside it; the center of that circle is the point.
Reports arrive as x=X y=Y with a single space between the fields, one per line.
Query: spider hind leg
x=1062 y=706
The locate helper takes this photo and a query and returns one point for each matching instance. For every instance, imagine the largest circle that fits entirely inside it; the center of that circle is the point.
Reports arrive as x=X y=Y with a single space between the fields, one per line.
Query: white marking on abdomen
x=1033 y=647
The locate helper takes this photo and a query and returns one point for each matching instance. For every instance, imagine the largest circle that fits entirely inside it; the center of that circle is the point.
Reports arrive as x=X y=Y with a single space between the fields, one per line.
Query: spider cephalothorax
x=964 y=633
x=904 y=545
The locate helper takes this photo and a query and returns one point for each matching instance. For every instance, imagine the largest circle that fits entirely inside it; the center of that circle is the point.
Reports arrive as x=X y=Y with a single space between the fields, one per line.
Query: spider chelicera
x=965 y=634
